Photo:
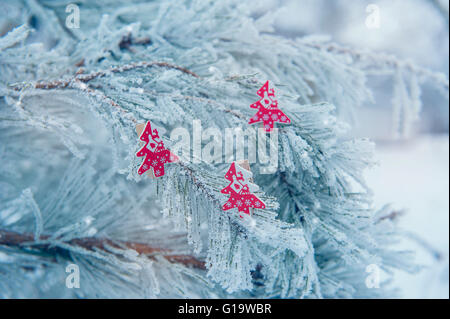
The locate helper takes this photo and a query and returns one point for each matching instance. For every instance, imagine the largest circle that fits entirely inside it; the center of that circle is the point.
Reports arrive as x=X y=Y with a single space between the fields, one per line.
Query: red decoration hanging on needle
x=268 y=111
x=240 y=189
x=156 y=155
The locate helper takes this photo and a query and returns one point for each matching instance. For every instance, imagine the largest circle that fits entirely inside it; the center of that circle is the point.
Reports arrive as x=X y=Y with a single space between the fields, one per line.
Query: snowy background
x=413 y=171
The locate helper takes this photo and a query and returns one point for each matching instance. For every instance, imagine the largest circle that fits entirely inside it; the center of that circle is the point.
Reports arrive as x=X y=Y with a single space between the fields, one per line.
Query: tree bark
x=13 y=239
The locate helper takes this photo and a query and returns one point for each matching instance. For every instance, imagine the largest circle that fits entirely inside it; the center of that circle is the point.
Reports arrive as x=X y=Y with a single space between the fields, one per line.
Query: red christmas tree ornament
x=156 y=155
x=268 y=111
x=240 y=190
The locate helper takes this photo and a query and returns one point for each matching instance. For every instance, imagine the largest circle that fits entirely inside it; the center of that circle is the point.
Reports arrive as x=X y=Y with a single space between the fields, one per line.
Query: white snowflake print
x=155 y=162
x=163 y=160
x=248 y=202
x=228 y=204
x=257 y=204
x=239 y=203
x=265 y=117
x=157 y=172
x=145 y=166
x=267 y=126
x=274 y=117
x=283 y=118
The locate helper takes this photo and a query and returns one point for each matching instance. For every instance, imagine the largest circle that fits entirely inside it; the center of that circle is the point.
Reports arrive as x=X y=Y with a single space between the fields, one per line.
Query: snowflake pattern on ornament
x=240 y=190
x=156 y=155
x=268 y=111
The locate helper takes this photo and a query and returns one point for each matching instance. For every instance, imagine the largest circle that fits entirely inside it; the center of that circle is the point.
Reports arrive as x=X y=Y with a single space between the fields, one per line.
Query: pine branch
x=81 y=79
x=318 y=224
x=13 y=239
x=85 y=78
x=383 y=59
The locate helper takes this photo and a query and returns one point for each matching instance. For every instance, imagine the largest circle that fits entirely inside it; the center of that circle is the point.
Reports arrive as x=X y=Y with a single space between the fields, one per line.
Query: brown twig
x=391 y=216
x=81 y=78
x=13 y=239
x=61 y=84
x=128 y=40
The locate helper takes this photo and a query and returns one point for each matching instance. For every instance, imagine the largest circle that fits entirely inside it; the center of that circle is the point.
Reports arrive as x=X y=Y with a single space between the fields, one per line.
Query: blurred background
x=413 y=170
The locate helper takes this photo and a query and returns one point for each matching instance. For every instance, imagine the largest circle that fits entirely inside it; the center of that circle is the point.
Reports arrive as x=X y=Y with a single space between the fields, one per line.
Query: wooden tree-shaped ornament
x=156 y=155
x=268 y=111
x=240 y=189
